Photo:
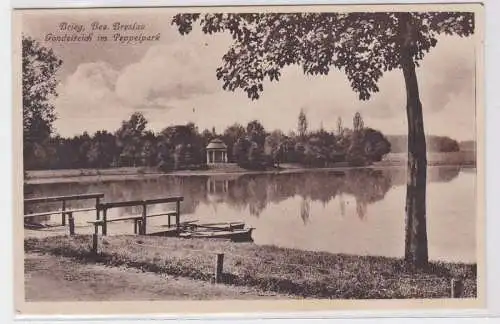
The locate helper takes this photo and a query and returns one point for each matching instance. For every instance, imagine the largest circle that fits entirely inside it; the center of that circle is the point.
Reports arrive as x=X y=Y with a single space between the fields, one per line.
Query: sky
x=173 y=81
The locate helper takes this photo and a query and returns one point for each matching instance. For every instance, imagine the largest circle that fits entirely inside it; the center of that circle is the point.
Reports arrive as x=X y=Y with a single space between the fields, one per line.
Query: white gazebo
x=216 y=152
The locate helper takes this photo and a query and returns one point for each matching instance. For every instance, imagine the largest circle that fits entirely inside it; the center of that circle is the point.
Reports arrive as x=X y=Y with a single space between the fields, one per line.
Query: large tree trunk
x=416 y=253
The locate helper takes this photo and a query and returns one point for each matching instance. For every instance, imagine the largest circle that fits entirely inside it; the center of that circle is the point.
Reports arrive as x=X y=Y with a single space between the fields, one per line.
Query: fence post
x=97 y=203
x=104 y=222
x=177 y=214
x=219 y=264
x=135 y=226
x=139 y=226
x=63 y=214
x=144 y=216
x=71 y=223
x=457 y=288
x=94 y=243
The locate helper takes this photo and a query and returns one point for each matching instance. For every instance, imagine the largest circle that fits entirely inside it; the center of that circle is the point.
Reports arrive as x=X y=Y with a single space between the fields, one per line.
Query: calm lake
x=354 y=212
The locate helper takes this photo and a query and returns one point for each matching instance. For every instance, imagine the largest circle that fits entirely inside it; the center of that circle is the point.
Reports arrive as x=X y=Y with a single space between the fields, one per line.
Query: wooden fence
x=64 y=211
x=140 y=221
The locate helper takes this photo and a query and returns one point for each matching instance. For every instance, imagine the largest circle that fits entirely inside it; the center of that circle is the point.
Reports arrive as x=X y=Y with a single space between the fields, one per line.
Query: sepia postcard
x=248 y=159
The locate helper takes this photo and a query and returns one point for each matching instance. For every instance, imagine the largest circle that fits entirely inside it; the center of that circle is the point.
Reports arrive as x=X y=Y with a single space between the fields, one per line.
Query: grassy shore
x=269 y=268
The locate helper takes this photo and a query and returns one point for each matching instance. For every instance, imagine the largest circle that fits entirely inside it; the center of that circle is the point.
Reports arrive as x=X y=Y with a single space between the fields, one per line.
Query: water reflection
x=356 y=212
x=252 y=192
x=305 y=208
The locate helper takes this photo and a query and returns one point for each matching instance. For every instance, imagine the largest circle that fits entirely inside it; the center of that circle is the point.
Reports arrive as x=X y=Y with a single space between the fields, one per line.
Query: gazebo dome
x=216 y=152
x=216 y=144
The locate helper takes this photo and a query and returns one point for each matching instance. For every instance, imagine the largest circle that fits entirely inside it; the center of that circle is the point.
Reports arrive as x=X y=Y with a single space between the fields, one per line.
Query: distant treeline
x=467 y=146
x=183 y=146
x=399 y=144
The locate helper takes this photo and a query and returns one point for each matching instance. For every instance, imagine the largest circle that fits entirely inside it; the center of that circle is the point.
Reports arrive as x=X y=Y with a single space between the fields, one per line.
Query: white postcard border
x=491 y=120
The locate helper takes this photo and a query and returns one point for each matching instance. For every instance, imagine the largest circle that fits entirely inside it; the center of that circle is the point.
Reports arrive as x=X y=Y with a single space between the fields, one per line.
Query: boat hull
x=244 y=235
x=235 y=232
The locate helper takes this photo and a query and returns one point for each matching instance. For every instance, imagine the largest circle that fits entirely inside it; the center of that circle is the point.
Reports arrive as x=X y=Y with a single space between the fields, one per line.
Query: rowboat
x=234 y=231
x=218 y=226
x=238 y=235
x=182 y=224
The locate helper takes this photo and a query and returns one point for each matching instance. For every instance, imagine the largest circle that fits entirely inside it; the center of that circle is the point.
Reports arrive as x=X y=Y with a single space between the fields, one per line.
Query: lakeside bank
x=269 y=268
x=462 y=159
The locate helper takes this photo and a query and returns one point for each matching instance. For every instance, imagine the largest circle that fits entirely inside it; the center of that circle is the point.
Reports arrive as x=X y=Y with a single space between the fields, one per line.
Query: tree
x=340 y=126
x=275 y=146
x=256 y=132
x=320 y=148
x=357 y=122
x=207 y=136
x=149 y=152
x=40 y=65
x=255 y=155
x=375 y=144
x=180 y=146
x=129 y=139
x=356 y=153
x=302 y=124
x=444 y=144
x=367 y=146
x=240 y=150
x=364 y=46
x=230 y=136
x=102 y=150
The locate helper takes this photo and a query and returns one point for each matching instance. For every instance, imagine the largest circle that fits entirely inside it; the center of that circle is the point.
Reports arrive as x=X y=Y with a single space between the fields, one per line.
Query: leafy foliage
x=39 y=68
x=230 y=136
x=129 y=137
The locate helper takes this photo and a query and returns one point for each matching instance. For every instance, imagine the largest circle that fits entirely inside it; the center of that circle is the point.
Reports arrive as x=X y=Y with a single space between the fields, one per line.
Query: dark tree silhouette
x=340 y=126
x=230 y=136
x=302 y=124
x=40 y=65
x=363 y=46
x=357 y=122
x=256 y=132
x=129 y=138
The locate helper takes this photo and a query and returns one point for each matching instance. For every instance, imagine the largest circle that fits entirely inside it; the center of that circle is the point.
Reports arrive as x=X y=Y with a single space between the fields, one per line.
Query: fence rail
x=64 y=212
x=140 y=202
x=103 y=207
x=63 y=198
x=140 y=221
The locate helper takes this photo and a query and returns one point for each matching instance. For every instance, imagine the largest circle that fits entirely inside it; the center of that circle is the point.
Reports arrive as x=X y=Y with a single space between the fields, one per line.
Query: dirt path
x=52 y=278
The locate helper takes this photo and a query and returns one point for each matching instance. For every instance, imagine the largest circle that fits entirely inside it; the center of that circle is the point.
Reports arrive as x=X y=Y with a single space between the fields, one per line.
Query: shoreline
x=306 y=274
x=116 y=174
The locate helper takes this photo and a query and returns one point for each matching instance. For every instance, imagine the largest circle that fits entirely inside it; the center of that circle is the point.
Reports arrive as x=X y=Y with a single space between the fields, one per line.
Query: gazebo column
x=208 y=157
x=225 y=156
